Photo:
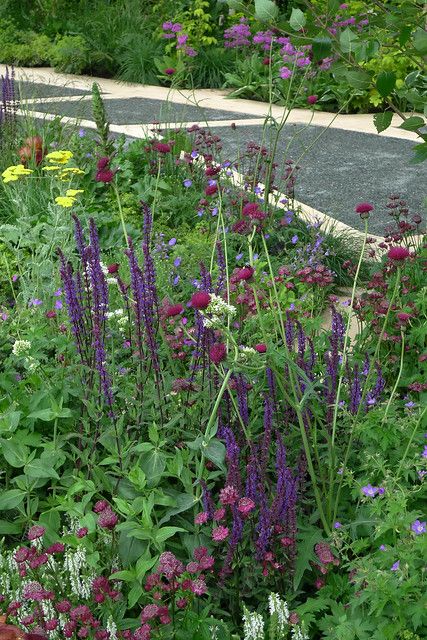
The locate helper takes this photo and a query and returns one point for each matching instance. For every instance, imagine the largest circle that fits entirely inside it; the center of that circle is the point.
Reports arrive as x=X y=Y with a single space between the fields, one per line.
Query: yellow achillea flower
x=65 y=201
x=13 y=173
x=60 y=157
x=68 y=171
x=69 y=199
x=52 y=168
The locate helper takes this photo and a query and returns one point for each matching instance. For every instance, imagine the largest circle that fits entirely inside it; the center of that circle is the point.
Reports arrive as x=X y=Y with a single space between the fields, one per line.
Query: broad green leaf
x=11 y=499
x=333 y=6
x=215 y=452
x=183 y=502
x=385 y=83
x=420 y=41
x=358 y=79
x=297 y=19
x=38 y=469
x=143 y=565
x=9 y=527
x=305 y=553
x=348 y=40
x=266 y=10
x=134 y=595
x=153 y=464
x=413 y=123
x=153 y=433
x=322 y=46
x=166 y=532
x=404 y=35
x=43 y=414
x=9 y=421
x=383 y=120
x=16 y=454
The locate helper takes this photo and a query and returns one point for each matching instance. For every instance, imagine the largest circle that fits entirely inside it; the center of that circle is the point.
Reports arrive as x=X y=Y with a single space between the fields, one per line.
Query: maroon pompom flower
x=101 y=505
x=200 y=300
x=107 y=519
x=260 y=347
x=398 y=253
x=36 y=531
x=211 y=189
x=220 y=533
x=228 y=495
x=103 y=163
x=363 y=208
x=312 y=99
x=251 y=210
x=218 y=352
x=161 y=147
x=170 y=71
x=113 y=268
x=105 y=175
x=174 y=310
x=245 y=273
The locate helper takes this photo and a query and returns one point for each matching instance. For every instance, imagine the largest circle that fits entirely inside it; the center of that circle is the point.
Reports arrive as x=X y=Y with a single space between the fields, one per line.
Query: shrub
x=70 y=54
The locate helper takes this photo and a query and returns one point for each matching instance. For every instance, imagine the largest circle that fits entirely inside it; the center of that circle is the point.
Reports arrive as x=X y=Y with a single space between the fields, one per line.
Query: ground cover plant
x=188 y=450
x=350 y=57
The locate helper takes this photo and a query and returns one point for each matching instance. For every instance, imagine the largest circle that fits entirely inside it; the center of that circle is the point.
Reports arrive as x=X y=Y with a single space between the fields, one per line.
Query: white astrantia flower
x=279 y=607
x=21 y=347
x=253 y=625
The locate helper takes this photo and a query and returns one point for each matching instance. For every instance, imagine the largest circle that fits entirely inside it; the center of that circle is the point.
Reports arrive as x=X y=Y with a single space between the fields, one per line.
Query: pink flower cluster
x=173 y=30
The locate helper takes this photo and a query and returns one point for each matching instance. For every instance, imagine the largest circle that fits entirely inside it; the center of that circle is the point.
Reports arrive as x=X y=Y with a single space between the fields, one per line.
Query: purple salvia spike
x=222 y=270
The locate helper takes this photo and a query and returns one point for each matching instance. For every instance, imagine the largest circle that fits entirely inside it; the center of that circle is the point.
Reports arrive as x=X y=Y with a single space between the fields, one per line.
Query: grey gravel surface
x=30 y=90
x=141 y=111
x=341 y=169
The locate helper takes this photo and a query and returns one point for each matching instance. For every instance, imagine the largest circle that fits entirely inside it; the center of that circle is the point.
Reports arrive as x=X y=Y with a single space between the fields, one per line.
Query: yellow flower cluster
x=58 y=158
x=13 y=173
x=69 y=199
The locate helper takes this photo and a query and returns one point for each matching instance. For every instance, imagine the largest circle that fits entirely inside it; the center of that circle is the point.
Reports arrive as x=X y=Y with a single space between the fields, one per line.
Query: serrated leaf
x=297 y=19
x=348 y=40
x=266 y=10
x=413 y=123
x=383 y=120
x=358 y=79
x=385 y=83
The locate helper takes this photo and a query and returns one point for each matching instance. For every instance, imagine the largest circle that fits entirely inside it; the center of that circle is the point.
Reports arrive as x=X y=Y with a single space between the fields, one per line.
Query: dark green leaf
x=306 y=554
x=385 y=83
x=39 y=469
x=348 y=40
x=9 y=527
x=413 y=123
x=215 y=452
x=321 y=47
x=420 y=41
x=358 y=79
x=153 y=464
x=15 y=453
x=11 y=499
x=383 y=120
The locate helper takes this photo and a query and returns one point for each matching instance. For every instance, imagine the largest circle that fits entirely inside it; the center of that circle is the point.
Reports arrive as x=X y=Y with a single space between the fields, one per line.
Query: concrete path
x=343 y=159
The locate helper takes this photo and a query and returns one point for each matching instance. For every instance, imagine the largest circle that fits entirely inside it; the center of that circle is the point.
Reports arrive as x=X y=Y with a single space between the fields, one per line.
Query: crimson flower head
x=245 y=273
x=105 y=175
x=103 y=163
x=107 y=519
x=200 y=300
x=261 y=347
x=161 y=147
x=170 y=71
x=174 y=310
x=246 y=505
x=398 y=253
x=36 y=531
x=312 y=99
x=218 y=352
x=251 y=210
x=113 y=268
x=363 y=209
x=211 y=189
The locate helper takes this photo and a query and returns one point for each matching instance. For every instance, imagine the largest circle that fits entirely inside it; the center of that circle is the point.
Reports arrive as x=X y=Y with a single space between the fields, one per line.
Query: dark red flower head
x=218 y=352
x=113 y=268
x=251 y=210
x=211 y=189
x=261 y=347
x=312 y=99
x=174 y=310
x=170 y=71
x=200 y=300
x=103 y=163
x=363 y=208
x=161 y=147
x=398 y=253
x=105 y=175
x=245 y=273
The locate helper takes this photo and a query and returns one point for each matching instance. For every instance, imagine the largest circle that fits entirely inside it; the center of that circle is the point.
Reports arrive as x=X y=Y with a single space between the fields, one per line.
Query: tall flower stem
x=396 y=384
x=122 y=220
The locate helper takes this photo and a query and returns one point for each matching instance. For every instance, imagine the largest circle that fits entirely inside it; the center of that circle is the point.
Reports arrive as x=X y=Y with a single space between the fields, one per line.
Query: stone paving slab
x=30 y=90
x=139 y=111
x=341 y=169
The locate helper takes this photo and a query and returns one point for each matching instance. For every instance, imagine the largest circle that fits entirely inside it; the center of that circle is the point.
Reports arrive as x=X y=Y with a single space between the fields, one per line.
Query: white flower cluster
x=111 y=628
x=119 y=314
x=298 y=633
x=253 y=625
x=107 y=275
x=21 y=347
x=246 y=353
x=74 y=562
x=279 y=607
x=216 y=309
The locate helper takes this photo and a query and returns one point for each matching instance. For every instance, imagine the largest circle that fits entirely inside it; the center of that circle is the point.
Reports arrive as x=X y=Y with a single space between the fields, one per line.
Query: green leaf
x=9 y=527
x=11 y=499
x=420 y=41
x=348 y=40
x=134 y=595
x=9 y=421
x=321 y=47
x=38 y=468
x=333 y=6
x=16 y=454
x=143 y=565
x=46 y=415
x=183 y=502
x=404 y=35
x=413 y=123
x=153 y=433
x=358 y=79
x=266 y=10
x=385 y=83
x=383 y=120
x=215 y=452
x=420 y=153
x=153 y=464
x=305 y=554
x=297 y=19
x=165 y=533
